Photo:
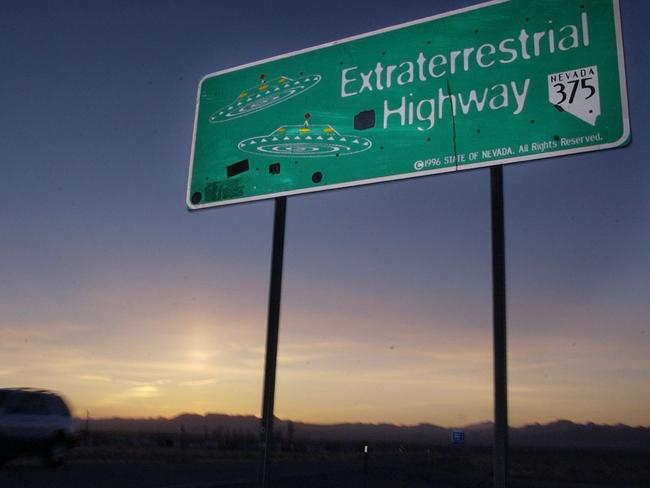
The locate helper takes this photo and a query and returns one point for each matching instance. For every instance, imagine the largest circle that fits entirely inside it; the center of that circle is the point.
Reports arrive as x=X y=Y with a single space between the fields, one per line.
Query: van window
x=58 y=406
x=31 y=404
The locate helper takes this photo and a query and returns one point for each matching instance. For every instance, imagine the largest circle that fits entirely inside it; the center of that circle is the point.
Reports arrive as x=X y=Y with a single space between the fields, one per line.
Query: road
x=219 y=474
x=232 y=473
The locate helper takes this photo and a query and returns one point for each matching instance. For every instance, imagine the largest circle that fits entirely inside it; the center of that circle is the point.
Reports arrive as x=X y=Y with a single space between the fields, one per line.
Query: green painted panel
x=496 y=83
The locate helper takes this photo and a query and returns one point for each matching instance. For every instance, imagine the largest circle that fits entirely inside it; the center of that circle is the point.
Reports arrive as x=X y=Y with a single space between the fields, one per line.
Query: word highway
x=424 y=112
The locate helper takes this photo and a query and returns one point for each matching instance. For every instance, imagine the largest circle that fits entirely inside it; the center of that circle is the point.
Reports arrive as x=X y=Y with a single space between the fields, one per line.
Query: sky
x=113 y=294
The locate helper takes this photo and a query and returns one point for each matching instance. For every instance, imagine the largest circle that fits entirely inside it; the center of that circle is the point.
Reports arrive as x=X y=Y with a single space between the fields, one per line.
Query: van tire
x=56 y=453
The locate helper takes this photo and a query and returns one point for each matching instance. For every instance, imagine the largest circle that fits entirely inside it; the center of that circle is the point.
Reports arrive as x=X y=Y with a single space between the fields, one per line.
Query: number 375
x=562 y=89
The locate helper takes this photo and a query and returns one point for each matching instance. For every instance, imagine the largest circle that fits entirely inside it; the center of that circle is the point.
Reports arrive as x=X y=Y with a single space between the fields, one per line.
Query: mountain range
x=561 y=433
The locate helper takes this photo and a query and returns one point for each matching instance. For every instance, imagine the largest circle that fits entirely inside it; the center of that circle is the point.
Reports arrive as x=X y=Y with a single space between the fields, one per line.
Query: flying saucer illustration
x=264 y=95
x=305 y=141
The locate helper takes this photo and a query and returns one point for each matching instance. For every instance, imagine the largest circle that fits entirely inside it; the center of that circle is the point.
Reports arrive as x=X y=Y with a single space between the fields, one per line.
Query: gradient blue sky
x=111 y=292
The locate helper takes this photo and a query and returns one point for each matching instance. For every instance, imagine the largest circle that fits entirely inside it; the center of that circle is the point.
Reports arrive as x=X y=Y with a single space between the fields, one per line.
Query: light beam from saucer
x=264 y=95
x=308 y=141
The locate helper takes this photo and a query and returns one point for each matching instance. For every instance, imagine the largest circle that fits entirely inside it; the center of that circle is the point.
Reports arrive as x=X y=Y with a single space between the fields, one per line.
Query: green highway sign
x=496 y=83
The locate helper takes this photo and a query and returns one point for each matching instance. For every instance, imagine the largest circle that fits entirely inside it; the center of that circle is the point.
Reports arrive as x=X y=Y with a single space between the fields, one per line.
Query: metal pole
x=272 y=332
x=501 y=466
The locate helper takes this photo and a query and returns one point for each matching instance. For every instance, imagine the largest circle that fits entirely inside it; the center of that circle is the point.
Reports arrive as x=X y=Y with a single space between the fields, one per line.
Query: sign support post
x=272 y=333
x=501 y=466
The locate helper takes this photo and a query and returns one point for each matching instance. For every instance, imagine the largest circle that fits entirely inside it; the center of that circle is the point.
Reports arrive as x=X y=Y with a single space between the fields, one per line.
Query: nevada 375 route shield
x=496 y=83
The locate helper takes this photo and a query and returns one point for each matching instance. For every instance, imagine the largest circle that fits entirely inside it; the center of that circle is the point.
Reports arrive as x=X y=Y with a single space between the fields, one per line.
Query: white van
x=34 y=422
